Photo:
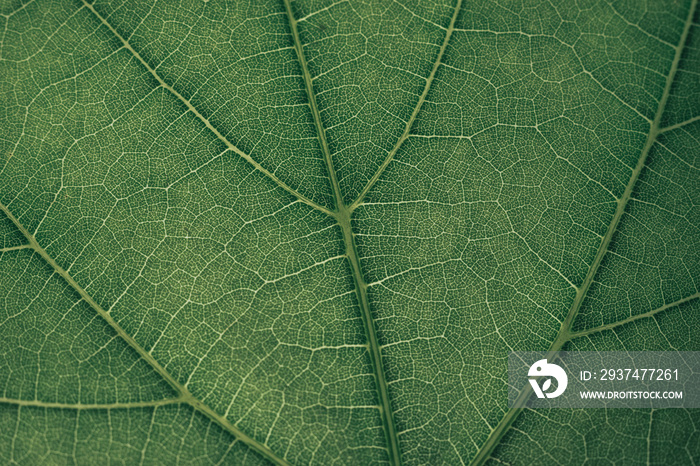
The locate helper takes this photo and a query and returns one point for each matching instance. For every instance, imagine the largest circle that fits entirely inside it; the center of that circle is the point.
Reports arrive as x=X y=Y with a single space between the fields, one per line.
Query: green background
x=310 y=232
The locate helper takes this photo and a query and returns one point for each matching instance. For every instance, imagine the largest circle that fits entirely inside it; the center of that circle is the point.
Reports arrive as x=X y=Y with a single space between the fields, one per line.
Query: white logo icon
x=543 y=369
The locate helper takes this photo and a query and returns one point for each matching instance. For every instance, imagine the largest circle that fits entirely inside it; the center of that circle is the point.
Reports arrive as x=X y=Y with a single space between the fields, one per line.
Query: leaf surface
x=310 y=232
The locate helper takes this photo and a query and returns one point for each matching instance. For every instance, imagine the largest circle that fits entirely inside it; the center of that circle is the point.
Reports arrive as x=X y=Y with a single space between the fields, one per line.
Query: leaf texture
x=310 y=232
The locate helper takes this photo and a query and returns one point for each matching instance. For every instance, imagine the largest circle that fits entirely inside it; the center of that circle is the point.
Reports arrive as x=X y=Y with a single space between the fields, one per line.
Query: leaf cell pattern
x=310 y=231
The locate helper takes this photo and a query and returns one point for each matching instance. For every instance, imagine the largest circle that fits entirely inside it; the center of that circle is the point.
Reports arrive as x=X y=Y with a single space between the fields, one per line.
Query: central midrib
x=343 y=216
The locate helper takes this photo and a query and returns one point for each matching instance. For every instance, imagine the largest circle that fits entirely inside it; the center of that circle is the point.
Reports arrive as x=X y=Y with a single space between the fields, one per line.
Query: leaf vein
x=91 y=406
x=645 y=315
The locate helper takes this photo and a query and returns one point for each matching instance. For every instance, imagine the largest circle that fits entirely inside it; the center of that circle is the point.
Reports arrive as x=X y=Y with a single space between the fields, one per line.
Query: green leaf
x=310 y=232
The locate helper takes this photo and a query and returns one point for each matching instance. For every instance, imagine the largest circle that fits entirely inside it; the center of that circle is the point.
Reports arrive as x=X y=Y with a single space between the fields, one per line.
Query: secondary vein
x=416 y=110
x=184 y=394
x=565 y=333
x=88 y=406
x=645 y=315
x=16 y=248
